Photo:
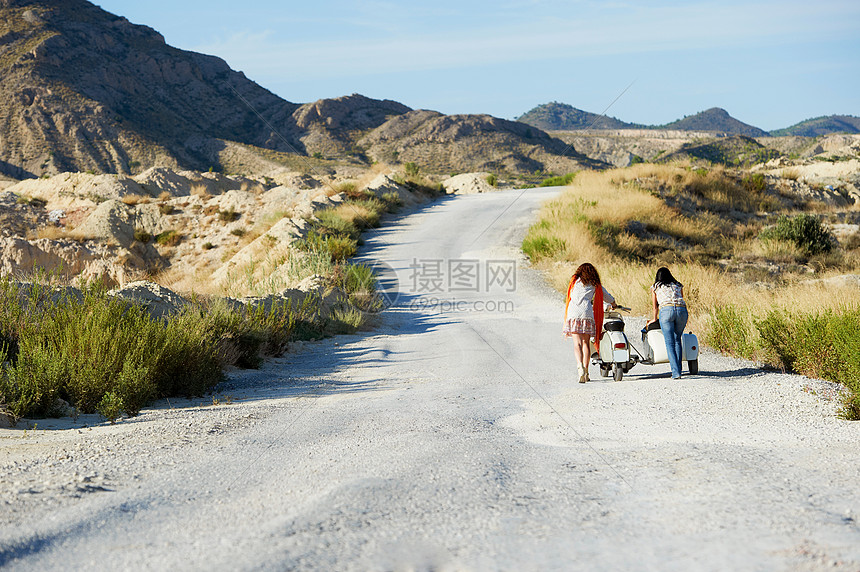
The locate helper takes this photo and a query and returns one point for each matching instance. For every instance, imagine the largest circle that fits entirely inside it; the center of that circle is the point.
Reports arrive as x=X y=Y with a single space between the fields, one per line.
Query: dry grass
x=135 y=199
x=791 y=174
x=165 y=196
x=201 y=190
x=52 y=232
x=252 y=187
x=569 y=231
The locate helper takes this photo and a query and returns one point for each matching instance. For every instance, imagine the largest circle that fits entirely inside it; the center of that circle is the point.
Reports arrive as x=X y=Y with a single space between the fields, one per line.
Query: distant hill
x=556 y=116
x=716 y=120
x=822 y=126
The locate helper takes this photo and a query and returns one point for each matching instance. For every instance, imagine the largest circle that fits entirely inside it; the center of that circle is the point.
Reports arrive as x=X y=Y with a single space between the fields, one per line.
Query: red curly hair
x=588 y=274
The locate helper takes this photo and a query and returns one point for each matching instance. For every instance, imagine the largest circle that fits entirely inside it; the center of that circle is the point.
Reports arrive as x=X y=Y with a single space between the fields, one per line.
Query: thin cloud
x=634 y=30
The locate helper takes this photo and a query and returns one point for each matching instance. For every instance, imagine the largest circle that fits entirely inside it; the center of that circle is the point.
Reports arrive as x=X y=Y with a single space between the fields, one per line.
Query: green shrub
x=240 y=232
x=110 y=407
x=754 y=182
x=142 y=236
x=337 y=247
x=166 y=208
x=106 y=355
x=208 y=246
x=492 y=180
x=168 y=238
x=804 y=230
x=537 y=247
x=392 y=200
x=558 y=181
x=331 y=223
x=411 y=169
x=730 y=332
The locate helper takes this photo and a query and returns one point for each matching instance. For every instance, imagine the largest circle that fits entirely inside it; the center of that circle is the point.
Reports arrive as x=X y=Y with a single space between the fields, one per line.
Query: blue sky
x=769 y=63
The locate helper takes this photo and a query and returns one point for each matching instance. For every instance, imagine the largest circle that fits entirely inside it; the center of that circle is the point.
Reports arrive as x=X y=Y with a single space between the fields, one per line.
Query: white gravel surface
x=449 y=438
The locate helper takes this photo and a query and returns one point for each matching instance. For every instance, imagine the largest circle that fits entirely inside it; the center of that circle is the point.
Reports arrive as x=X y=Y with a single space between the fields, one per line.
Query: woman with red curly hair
x=583 y=314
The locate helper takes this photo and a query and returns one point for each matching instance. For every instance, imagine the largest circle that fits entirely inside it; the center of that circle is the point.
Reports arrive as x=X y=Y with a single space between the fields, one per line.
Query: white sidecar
x=655 y=347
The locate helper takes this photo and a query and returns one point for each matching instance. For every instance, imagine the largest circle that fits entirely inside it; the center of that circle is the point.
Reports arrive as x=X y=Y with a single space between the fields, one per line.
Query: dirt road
x=452 y=437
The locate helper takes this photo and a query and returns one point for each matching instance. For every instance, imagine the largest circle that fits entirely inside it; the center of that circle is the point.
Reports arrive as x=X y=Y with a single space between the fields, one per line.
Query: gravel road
x=451 y=437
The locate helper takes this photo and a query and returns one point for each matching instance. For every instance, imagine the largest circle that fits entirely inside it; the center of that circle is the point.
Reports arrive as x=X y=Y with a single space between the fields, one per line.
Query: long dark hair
x=664 y=277
x=588 y=274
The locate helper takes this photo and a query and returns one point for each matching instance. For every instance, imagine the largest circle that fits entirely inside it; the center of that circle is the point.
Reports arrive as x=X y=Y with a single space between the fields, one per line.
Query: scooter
x=613 y=355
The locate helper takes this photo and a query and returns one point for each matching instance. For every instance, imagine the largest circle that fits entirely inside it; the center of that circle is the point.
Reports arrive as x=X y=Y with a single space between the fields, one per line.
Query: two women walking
x=583 y=315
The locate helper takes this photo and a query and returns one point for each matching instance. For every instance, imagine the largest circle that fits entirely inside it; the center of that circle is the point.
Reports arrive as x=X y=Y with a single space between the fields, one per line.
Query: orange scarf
x=598 y=307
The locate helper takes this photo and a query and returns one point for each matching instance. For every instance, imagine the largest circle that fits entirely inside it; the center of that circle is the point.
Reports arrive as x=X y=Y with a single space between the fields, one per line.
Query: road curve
x=454 y=437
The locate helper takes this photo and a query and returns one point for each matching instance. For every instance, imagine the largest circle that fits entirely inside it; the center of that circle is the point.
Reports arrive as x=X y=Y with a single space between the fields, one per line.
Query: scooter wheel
x=618 y=372
x=604 y=371
x=693 y=364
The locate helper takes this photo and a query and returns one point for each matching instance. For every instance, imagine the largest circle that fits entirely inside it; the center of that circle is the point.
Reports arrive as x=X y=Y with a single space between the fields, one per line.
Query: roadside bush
x=537 y=247
x=492 y=180
x=392 y=200
x=103 y=354
x=804 y=230
x=560 y=181
x=411 y=169
x=337 y=247
x=730 y=332
x=330 y=222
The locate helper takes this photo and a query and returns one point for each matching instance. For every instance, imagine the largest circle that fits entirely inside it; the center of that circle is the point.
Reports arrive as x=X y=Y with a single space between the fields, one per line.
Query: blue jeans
x=673 y=319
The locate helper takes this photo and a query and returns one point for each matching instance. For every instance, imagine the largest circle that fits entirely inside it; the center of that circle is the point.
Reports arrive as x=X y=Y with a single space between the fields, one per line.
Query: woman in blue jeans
x=667 y=296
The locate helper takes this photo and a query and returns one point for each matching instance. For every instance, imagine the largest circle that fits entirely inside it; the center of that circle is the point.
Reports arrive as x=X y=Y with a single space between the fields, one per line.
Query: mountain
x=717 y=120
x=822 y=126
x=85 y=90
x=562 y=117
x=556 y=116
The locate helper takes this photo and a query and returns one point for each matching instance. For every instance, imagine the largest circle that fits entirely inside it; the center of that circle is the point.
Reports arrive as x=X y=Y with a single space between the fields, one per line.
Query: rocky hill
x=471 y=143
x=84 y=90
x=716 y=120
x=555 y=116
x=822 y=126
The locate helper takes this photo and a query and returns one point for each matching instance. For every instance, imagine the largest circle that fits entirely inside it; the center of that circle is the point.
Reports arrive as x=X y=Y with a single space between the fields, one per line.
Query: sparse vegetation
x=804 y=231
x=168 y=238
x=142 y=236
x=709 y=225
x=559 y=181
x=229 y=215
x=102 y=354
